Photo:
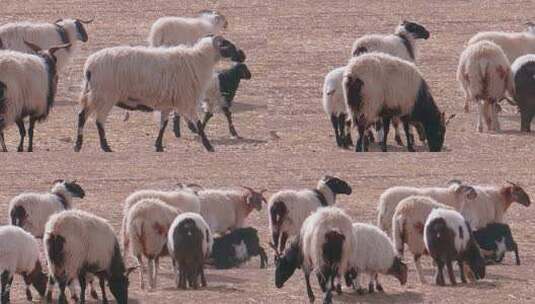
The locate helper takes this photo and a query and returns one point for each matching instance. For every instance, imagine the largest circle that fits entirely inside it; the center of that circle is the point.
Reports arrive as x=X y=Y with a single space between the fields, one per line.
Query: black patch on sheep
x=321 y=198
x=229 y=81
x=3 y=91
x=63 y=35
x=426 y=111
x=138 y=107
x=55 y=245
x=488 y=237
x=228 y=50
x=417 y=30
x=332 y=251
x=407 y=45
x=50 y=64
x=278 y=212
x=359 y=51
x=18 y=216
x=337 y=185
x=81 y=32
x=118 y=276
x=75 y=189
x=62 y=200
x=188 y=254
x=354 y=93
x=6 y=280
x=525 y=94
x=224 y=254
x=37 y=278
x=288 y=263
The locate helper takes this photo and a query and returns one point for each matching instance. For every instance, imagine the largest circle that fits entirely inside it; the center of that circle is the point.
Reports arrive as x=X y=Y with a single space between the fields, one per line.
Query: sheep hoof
x=94 y=294
x=339 y=289
x=380 y=287
x=159 y=148
x=398 y=140
x=360 y=291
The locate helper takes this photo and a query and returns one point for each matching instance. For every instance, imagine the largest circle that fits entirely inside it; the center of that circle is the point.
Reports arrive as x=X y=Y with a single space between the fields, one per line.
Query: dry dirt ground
x=290 y=46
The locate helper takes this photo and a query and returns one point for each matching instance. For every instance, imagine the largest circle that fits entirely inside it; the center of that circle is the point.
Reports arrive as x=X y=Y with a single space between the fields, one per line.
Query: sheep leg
x=30 y=134
x=439 y=275
x=345 y=134
x=481 y=115
x=6 y=280
x=284 y=238
x=371 y=288
x=321 y=282
x=517 y=257
x=206 y=119
x=141 y=269
x=102 y=283
x=176 y=124
x=310 y=293
x=377 y=284
x=397 y=135
x=461 y=270
x=386 y=129
x=419 y=269
x=205 y=141
x=62 y=298
x=92 y=290
x=2 y=142
x=50 y=288
x=334 y=122
x=82 y=118
x=203 y=277
x=263 y=258
x=525 y=121
x=495 y=120
x=83 y=285
x=408 y=135
x=102 y=135
x=450 y=272
x=156 y=268
x=151 y=273
x=231 y=128
x=362 y=141
x=164 y=119
x=22 y=133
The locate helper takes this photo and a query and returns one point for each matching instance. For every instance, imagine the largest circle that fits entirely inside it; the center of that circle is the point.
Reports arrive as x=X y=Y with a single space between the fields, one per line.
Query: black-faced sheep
x=495 y=240
x=237 y=247
x=524 y=81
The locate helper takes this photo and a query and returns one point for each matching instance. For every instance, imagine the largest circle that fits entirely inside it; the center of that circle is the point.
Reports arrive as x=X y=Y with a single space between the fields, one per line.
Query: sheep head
x=336 y=185
x=217 y=19
x=418 y=31
x=74 y=188
x=287 y=263
x=254 y=199
x=227 y=49
x=399 y=270
x=515 y=193
x=81 y=33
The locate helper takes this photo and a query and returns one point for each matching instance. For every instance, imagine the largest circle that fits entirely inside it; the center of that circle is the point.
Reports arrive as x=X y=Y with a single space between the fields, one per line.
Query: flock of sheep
x=197 y=226
x=381 y=84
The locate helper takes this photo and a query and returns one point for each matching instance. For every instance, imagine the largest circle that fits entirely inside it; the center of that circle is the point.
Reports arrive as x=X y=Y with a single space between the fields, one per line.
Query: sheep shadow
x=407 y=297
x=229 y=141
x=239 y=107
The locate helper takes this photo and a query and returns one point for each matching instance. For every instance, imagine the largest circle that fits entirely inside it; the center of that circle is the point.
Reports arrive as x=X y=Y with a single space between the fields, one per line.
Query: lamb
x=454 y=195
x=401 y=44
x=288 y=209
x=31 y=211
x=324 y=246
x=381 y=86
x=189 y=242
x=226 y=210
x=408 y=227
x=173 y=31
x=20 y=255
x=495 y=240
x=448 y=237
x=145 y=78
x=147 y=224
x=523 y=69
x=46 y=36
x=181 y=199
x=374 y=253
x=485 y=76
x=78 y=243
x=513 y=44
x=28 y=83
x=237 y=247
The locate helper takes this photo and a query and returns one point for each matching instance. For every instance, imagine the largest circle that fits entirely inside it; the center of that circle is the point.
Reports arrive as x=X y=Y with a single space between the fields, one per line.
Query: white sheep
x=147 y=224
x=334 y=106
x=46 y=35
x=19 y=254
x=172 y=31
x=288 y=209
x=454 y=195
x=182 y=199
x=28 y=86
x=448 y=238
x=484 y=75
x=75 y=239
x=378 y=86
x=31 y=211
x=328 y=227
x=145 y=78
x=189 y=243
x=408 y=227
x=513 y=44
x=373 y=253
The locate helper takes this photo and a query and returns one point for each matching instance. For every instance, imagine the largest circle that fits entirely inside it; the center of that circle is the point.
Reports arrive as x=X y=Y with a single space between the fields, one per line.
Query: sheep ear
x=58 y=21
x=32 y=46
x=54 y=49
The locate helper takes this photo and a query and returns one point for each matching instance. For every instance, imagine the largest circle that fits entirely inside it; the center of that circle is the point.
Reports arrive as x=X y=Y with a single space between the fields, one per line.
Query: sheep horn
x=57 y=181
x=59 y=20
x=510 y=182
x=54 y=49
x=86 y=21
x=455 y=181
x=32 y=46
x=250 y=189
x=195 y=185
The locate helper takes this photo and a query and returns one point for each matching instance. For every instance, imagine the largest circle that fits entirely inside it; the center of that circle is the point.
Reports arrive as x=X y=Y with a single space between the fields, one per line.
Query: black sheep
x=498 y=239
x=237 y=247
x=524 y=79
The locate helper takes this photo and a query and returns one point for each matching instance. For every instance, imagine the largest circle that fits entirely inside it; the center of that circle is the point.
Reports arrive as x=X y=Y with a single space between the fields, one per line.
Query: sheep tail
x=84 y=96
x=18 y=215
x=332 y=253
x=55 y=246
x=398 y=232
x=484 y=78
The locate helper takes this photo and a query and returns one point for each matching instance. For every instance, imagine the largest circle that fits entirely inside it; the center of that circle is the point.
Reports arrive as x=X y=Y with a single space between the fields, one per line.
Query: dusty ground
x=290 y=46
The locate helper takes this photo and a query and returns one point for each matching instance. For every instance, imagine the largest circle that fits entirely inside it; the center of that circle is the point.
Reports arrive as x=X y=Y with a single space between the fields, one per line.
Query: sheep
x=220 y=95
x=484 y=75
x=495 y=240
x=46 y=36
x=524 y=80
x=381 y=86
x=183 y=200
x=454 y=195
x=226 y=209
x=189 y=242
x=147 y=224
x=237 y=247
x=324 y=246
x=408 y=227
x=401 y=44
x=374 y=253
x=334 y=106
x=173 y=31
x=513 y=44
x=146 y=78
x=448 y=237
x=288 y=209
x=19 y=254
x=78 y=243
x=28 y=84
x=31 y=211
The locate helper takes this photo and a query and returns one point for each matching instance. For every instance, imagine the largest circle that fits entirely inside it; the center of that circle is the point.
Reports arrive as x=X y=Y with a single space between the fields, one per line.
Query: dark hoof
x=380 y=288
x=397 y=138
x=339 y=289
x=361 y=291
x=106 y=149
x=94 y=294
x=159 y=148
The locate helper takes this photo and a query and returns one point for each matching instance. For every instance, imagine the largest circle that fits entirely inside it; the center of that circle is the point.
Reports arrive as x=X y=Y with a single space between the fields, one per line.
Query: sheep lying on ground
x=237 y=247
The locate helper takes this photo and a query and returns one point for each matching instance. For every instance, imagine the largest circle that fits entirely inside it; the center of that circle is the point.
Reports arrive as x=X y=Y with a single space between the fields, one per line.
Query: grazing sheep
x=173 y=31
x=189 y=242
x=46 y=36
x=513 y=44
x=78 y=243
x=145 y=78
x=288 y=209
x=181 y=199
x=382 y=86
x=485 y=76
x=408 y=227
x=31 y=211
x=237 y=247
x=147 y=225
x=448 y=238
x=373 y=253
x=28 y=83
x=19 y=254
x=334 y=106
x=495 y=240
x=226 y=210
x=454 y=195
x=324 y=246
x=523 y=69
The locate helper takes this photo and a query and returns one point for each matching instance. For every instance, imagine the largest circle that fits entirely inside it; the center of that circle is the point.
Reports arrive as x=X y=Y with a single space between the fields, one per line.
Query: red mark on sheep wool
x=419 y=227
